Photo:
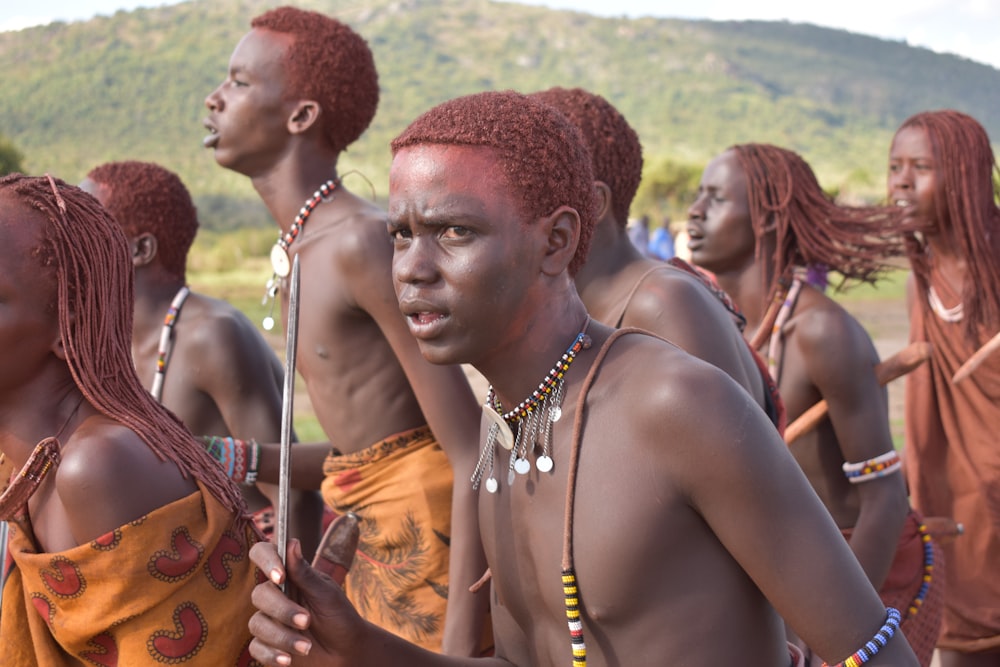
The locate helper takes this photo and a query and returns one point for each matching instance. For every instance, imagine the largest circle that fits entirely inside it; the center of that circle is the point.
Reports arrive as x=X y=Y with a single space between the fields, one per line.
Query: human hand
x=318 y=628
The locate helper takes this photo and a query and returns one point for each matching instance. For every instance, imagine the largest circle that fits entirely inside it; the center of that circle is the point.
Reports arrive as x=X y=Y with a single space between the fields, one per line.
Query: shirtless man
x=941 y=170
x=128 y=542
x=759 y=219
x=646 y=436
x=214 y=370
x=301 y=87
x=624 y=288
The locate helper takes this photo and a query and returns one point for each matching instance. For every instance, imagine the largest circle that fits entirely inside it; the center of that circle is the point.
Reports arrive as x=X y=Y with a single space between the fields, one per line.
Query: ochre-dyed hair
x=964 y=166
x=615 y=151
x=85 y=254
x=331 y=64
x=540 y=153
x=147 y=198
x=810 y=228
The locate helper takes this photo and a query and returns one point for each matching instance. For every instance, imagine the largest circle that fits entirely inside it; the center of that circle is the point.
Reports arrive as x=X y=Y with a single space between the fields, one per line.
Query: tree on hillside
x=11 y=159
x=667 y=188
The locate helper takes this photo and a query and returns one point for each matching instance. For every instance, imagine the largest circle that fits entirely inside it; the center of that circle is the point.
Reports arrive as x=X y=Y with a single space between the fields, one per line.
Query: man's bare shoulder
x=350 y=230
x=683 y=296
x=215 y=329
x=826 y=334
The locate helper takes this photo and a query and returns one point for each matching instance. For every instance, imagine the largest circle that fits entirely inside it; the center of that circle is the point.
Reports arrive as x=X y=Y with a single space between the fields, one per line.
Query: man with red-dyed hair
x=941 y=169
x=199 y=356
x=636 y=507
x=301 y=88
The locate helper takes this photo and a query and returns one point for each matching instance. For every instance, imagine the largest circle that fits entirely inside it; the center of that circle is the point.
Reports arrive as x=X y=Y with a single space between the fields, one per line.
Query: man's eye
x=456 y=232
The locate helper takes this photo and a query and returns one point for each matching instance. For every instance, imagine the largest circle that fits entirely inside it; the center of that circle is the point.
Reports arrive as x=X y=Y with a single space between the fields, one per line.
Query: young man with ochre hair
x=591 y=437
x=301 y=88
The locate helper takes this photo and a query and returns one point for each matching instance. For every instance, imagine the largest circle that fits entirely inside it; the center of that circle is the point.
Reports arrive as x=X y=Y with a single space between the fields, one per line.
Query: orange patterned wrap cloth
x=401 y=490
x=170 y=588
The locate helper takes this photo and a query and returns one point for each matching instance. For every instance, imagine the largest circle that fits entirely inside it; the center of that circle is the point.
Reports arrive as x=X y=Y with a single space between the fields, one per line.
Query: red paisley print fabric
x=171 y=588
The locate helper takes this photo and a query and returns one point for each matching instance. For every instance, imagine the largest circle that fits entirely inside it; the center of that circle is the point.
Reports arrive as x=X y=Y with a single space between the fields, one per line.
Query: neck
x=611 y=252
x=515 y=369
x=284 y=189
x=50 y=411
x=748 y=288
x=153 y=295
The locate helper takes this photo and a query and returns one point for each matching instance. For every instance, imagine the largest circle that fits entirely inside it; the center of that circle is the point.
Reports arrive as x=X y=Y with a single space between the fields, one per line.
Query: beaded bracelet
x=877 y=643
x=880 y=466
x=239 y=458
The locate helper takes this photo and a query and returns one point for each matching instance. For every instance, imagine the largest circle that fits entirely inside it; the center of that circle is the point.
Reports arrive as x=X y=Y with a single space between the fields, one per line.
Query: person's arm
x=243 y=376
x=739 y=476
x=319 y=627
x=453 y=414
x=839 y=360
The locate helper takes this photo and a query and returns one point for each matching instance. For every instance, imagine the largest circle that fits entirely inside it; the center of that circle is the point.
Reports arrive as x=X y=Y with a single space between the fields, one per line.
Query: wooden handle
x=338 y=546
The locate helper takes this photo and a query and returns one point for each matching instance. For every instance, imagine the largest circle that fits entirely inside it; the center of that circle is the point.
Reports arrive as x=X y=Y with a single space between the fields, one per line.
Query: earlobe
x=303 y=116
x=562 y=230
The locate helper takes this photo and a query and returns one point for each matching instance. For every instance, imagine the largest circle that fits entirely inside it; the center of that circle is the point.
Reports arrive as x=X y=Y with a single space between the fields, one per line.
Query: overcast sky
x=969 y=28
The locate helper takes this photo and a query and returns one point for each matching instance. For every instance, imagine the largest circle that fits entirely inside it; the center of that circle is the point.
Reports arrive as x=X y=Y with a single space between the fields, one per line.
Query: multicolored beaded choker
x=533 y=417
x=167 y=341
x=280 y=261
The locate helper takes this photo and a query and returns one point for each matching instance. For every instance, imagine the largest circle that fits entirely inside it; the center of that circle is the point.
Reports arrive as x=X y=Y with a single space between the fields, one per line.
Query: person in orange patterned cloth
x=129 y=544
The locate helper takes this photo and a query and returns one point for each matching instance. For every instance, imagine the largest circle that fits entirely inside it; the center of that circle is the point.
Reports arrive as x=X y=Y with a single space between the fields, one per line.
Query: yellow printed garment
x=401 y=490
x=170 y=588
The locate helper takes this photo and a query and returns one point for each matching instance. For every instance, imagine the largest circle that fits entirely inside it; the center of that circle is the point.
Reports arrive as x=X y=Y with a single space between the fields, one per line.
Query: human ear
x=303 y=116
x=143 y=249
x=562 y=234
x=603 y=193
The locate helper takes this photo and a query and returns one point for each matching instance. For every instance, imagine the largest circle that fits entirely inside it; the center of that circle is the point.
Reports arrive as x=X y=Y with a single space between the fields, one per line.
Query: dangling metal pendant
x=503 y=433
x=522 y=466
x=544 y=463
x=279 y=261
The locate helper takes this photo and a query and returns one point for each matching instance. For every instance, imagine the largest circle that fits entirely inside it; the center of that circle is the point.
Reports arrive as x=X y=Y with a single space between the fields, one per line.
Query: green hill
x=132 y=85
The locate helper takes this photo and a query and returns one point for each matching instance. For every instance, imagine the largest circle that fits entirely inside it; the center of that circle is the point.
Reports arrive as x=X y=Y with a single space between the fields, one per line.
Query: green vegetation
x=132 y=85
x=11 y=159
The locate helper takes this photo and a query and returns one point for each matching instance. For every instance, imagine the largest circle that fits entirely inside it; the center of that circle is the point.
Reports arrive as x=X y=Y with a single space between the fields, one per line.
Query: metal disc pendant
x=268 y=323
x=504 y=435
x=279 y=261
x=491 y=484
x=555 y=412
x=544 y=463
x=522 y=466
x=510 y=477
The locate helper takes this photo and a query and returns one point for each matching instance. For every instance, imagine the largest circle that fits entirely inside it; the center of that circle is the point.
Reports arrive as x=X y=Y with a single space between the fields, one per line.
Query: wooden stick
x=977 y=359
x=896 y=366
x=284 y=471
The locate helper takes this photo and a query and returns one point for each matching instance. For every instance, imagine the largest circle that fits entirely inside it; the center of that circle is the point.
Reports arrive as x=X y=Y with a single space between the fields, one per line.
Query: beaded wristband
x=880 y=466
x=877 y=643
x=239 y=458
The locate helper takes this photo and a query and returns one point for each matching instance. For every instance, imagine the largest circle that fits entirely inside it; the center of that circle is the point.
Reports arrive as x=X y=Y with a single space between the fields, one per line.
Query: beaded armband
x=880 y=466
x=239 y=458
x=877 y=643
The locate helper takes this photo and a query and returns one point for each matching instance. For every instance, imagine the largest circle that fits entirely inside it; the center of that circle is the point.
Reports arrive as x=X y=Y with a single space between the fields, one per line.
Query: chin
x=439 y=353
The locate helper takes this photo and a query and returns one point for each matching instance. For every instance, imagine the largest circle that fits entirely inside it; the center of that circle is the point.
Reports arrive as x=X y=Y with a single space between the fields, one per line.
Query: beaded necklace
x=533 y=417
x=953 y=314
x=280 y=261
x=167 y=341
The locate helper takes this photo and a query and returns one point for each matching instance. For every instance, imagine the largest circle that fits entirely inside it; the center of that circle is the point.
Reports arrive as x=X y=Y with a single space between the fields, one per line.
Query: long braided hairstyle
x=810 y=228
x=964 y=164
x=85 y=251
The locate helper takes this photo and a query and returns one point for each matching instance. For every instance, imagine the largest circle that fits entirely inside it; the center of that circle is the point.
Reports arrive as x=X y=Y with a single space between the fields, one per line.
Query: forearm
x=875 y=537
x=466 y=615
x=306 y=461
